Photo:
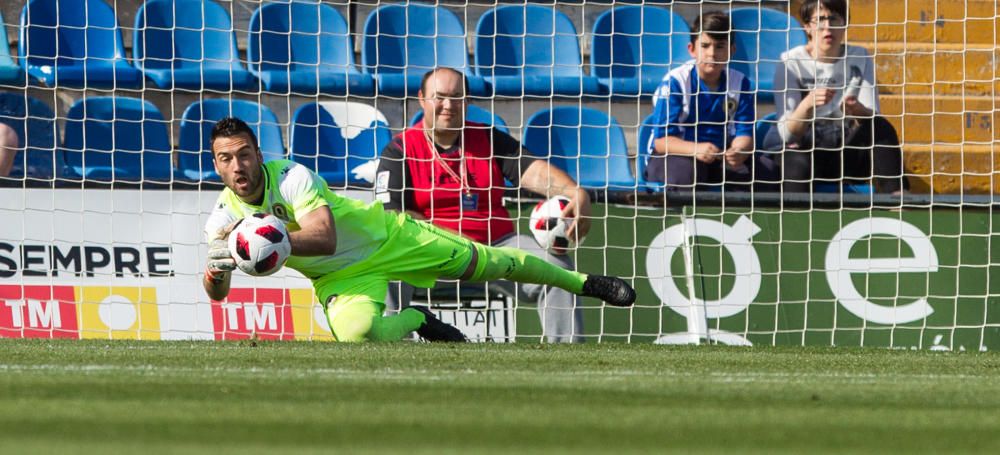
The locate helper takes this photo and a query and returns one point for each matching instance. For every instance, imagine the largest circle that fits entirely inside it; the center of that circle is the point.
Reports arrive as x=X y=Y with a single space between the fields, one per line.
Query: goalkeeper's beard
x=245 y=185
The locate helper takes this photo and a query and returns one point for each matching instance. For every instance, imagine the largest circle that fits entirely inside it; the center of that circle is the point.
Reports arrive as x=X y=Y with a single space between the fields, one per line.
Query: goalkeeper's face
x=238 y=162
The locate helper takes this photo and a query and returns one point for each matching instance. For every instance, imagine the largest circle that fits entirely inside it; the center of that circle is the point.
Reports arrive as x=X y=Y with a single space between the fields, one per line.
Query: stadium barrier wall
x=917 y=278
x=126 y=264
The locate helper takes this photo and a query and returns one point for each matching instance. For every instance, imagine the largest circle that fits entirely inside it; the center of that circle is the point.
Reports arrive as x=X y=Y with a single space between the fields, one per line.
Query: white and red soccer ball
x=260 y=244
x=549 y=227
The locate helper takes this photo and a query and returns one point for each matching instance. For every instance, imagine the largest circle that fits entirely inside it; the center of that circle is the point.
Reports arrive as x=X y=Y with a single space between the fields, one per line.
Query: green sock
x=360 y=321
x=394 y=328
x=516 y=265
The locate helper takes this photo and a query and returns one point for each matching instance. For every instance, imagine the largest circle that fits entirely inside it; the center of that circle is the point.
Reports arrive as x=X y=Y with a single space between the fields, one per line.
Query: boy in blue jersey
x=350 y=250
x=703 y=117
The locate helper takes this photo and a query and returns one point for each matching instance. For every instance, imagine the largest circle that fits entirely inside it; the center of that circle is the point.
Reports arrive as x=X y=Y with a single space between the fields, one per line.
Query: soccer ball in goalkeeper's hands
x=549 y=227
x=260 y=244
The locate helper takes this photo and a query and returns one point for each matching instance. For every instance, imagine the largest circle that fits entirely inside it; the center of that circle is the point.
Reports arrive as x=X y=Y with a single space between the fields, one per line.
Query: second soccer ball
x=549 y=227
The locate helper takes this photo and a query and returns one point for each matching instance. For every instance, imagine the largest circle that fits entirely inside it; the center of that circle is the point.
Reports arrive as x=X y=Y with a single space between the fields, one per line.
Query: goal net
x=821 y=177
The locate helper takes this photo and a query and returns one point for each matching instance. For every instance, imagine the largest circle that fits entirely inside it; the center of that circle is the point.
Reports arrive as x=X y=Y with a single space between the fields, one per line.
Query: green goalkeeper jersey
x=291 y=191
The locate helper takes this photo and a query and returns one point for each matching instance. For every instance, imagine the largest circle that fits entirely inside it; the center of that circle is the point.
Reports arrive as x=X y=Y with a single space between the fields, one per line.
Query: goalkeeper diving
x=350 y=250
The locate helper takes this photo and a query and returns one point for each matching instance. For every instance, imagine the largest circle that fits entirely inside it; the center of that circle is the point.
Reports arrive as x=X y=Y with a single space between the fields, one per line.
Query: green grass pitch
x=256 y=397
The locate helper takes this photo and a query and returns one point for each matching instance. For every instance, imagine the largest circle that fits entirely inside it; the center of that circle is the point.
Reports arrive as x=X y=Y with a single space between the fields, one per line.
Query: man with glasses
x=451 y=172
x=829 y=125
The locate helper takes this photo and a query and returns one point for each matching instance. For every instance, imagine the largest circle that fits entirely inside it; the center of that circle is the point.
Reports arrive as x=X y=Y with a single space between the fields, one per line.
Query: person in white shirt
x=829 y=127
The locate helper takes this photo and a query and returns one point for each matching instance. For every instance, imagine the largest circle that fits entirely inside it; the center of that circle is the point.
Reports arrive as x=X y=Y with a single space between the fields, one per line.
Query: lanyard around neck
x=462 y=178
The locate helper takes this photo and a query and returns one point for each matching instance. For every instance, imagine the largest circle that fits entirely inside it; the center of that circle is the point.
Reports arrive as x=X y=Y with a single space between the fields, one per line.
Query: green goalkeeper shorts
x=414 y=251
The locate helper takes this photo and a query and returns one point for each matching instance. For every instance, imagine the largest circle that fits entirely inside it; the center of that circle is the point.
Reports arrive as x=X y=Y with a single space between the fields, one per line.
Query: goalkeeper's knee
x=352 y=321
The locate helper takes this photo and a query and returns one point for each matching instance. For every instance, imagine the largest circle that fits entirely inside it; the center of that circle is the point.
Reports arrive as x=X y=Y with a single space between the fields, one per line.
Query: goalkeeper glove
x=220 y=262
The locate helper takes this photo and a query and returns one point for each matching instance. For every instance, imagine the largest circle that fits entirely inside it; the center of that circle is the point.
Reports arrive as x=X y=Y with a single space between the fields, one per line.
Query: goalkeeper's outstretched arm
x=317 y=235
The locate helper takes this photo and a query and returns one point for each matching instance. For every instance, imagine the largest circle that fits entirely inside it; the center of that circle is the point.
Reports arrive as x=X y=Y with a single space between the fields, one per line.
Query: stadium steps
x=951 y=137
x=943 y=119
x=936 y=65
x=924 y=21
x=936 y=68
x=930 y=46
x=953 y=168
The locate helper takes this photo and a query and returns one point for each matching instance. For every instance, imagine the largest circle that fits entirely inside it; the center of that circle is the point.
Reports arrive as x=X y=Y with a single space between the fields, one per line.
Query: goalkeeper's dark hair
x=229 y=127
x=713 y=23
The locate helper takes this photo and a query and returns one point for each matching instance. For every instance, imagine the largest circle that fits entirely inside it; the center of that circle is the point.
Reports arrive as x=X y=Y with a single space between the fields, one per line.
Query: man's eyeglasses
x=438 y=99
x=830 y=21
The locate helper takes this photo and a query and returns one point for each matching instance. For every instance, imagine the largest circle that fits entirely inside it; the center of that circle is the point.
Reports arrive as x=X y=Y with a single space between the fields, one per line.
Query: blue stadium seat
x=642 y=155
x=194 y=161
x=607 y=2
x=116 y=139
x=304 y=48
x=586 y=143
x=402 y=42
x=340 y=141
x=846 y=187
x=762 y=127
x=10 y=73
x=531 y=50
x=35 y=125
x=188 y=44
x=761 y=36
x=74 y=43
x=633 y=47
x=472 y=114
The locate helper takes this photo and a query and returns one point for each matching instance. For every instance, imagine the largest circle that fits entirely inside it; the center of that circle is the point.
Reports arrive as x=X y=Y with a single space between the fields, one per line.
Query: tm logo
x=248 y=312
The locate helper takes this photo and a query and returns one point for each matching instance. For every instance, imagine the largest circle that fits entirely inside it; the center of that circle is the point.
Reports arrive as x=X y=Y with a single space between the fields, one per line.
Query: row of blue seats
x=306 y=47
x=125 y=140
